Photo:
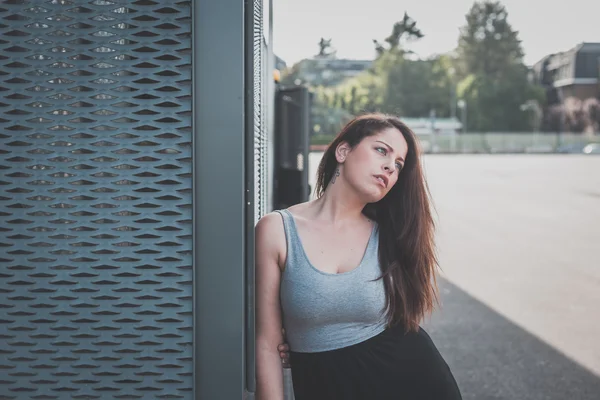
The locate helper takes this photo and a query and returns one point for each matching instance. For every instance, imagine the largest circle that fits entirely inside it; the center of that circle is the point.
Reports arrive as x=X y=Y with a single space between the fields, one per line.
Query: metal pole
x=218 y=209
x=465 y=119
x=452 y=101
x=452 y=94
x=433 y=137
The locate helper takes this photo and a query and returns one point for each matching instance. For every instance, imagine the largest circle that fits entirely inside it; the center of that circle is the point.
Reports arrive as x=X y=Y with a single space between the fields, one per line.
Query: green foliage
x=495 y=104
x=486 y=72
x=327 y=114
x=290 y=75
x=400 y=85
x=495 y=82
x=402 y=30
x=415 y=87
x=361 y=94
x=487 y=44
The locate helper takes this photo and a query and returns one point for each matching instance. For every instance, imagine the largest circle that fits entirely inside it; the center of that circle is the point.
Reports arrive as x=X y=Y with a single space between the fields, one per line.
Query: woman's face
x=372 y=166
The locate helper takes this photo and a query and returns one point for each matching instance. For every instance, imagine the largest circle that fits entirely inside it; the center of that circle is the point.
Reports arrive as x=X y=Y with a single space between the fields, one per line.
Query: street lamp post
x=463 y=108
x=451 y=72
x=432 y=124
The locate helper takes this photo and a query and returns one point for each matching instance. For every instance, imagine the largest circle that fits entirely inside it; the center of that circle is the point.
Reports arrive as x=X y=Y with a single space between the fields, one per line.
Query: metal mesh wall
x=260 y=131
x=95 y=200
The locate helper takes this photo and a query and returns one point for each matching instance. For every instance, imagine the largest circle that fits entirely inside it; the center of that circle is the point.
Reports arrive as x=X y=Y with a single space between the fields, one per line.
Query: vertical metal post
x=219 y=210
x=250 y=372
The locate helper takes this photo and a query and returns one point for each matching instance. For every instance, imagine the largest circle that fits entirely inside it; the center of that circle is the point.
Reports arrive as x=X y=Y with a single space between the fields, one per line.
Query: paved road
x=519 y=245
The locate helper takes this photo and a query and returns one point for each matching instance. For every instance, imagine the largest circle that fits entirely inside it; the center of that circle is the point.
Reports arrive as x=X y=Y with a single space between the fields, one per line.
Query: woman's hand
x=284 y=352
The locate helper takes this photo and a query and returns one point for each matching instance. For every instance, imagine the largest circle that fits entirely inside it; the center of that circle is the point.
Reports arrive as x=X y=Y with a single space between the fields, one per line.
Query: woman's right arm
x=269 y=239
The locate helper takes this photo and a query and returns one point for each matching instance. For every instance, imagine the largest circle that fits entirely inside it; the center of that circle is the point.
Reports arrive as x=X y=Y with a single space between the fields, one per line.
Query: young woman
x=350 y=276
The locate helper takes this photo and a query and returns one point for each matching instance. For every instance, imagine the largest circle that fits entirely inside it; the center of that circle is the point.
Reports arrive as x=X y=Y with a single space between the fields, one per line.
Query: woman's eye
x=382 y=150
x=399 y=166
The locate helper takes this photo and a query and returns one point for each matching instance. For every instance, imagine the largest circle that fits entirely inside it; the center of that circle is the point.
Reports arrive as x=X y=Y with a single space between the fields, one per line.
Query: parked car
x=592 y=148
x=573 y=148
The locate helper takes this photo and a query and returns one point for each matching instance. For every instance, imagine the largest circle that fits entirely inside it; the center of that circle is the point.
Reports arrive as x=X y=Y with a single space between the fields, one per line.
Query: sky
x=352 y=25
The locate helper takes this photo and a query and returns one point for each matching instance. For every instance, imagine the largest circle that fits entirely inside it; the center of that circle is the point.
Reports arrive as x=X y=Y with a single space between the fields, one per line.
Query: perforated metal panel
x=95 y=200
x=260 y=132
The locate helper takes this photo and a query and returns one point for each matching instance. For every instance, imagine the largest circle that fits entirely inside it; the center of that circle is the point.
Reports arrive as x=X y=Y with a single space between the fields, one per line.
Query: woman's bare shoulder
x=270 y=234
x=270 y=223
x=301 y=209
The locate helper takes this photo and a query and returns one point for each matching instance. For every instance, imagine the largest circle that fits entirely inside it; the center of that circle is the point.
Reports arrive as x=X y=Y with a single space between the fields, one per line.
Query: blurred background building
x=572 y=73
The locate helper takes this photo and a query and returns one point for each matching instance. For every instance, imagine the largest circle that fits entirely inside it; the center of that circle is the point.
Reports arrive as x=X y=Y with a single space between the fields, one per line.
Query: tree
x=325 y=48
x=496 y=104
x=591 y=108
x=405 y=29
x=394 y=83
x=575 y=120
x=495 y=83
x=415 y=87
x=487 y=44
x=292 y=75
x=410 y=88
x=326 y=116
x=553 y=120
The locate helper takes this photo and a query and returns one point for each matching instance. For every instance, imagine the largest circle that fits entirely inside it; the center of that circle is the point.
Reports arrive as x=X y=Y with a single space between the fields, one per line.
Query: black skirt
x=391 y=365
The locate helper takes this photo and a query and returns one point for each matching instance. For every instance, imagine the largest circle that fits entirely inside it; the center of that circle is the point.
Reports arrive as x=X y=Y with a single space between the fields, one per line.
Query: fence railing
x=498 y=142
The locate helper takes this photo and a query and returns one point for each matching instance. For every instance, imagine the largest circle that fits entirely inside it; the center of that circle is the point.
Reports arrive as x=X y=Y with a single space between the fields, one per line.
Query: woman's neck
x=338 y=204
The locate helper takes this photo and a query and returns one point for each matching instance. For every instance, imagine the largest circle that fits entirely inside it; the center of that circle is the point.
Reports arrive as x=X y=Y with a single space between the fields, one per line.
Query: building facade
x=327 y=70
x=572 y=73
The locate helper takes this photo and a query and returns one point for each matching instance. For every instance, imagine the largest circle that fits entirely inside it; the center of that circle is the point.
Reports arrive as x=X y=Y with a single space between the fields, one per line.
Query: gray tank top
x=324 y=311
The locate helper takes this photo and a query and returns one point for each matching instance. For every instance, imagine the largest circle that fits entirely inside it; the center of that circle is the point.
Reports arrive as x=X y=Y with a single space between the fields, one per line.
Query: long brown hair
x=406 y=242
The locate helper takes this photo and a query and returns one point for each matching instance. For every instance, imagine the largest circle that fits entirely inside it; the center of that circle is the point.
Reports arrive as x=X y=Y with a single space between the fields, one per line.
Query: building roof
x=343 y=63
x=588 y=47
x=558 y=58
x=578 y=65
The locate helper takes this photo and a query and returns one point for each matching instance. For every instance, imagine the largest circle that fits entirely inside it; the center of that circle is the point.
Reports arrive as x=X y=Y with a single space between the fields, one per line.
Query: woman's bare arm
x=269 y=239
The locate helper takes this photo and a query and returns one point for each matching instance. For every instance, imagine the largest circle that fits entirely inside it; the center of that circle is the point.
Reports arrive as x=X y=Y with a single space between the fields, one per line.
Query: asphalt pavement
x=519 y=244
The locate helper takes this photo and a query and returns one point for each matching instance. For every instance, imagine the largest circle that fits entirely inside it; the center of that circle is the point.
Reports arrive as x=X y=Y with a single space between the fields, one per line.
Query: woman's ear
x=341 y=152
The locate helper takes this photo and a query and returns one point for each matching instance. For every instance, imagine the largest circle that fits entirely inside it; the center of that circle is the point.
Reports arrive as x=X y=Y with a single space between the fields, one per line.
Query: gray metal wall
x=133 y=167
x=96 y=200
